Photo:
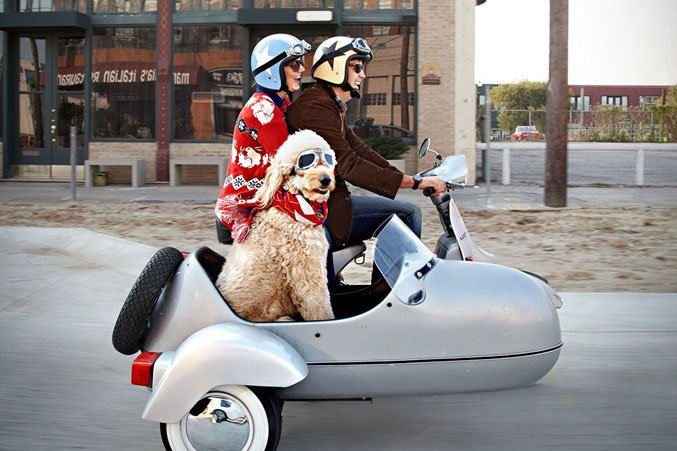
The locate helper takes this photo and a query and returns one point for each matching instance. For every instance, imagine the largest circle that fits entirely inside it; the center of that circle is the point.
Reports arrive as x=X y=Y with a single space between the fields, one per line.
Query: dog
x=276 y=268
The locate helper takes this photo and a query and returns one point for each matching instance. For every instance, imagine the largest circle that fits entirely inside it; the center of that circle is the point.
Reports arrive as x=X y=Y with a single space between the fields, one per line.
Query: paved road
x=586 y=167
x=63 y=387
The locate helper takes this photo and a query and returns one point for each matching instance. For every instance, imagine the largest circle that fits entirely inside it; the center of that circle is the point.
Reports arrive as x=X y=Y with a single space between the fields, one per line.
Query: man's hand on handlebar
x=435 y=183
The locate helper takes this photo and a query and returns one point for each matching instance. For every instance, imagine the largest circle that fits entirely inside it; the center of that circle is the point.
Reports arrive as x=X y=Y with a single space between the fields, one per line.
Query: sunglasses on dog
x=313 y=157
x=296 y=64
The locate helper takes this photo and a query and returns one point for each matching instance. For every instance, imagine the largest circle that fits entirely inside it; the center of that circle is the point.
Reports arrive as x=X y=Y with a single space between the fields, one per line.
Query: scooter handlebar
x=427 y=192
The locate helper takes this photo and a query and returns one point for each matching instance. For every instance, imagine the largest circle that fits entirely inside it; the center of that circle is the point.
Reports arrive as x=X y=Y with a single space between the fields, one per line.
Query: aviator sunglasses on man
x=359 y=67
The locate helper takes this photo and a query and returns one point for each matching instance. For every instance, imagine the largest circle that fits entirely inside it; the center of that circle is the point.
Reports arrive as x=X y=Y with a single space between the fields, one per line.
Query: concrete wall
x=446 y=90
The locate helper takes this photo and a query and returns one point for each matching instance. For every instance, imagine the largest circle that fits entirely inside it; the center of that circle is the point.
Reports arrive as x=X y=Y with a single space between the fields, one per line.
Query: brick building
x=159 y=79
x=620 y=95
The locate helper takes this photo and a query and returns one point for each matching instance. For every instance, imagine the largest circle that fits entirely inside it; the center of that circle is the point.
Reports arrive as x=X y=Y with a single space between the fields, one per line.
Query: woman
x=260 y=128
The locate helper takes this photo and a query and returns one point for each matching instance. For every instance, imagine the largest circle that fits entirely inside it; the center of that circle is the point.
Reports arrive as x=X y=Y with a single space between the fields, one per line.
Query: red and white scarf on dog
x=299 y=208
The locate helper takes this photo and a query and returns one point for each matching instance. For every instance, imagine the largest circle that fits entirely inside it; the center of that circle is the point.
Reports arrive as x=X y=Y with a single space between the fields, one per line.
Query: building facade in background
x=158 y=79
x=606 y=113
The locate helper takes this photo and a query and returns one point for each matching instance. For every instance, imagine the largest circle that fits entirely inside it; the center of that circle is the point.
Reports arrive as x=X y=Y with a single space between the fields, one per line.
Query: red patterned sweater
x=260 y=129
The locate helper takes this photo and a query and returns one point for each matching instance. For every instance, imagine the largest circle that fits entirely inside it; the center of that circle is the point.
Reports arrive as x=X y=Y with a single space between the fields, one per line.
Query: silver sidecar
x=439 y=326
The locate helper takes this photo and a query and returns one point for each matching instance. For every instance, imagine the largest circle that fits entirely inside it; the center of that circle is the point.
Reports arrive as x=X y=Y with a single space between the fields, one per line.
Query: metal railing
x=639 y=148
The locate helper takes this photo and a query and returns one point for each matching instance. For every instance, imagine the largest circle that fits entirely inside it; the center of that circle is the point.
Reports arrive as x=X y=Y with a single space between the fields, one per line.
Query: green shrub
x=594 y=135
x=388 y=148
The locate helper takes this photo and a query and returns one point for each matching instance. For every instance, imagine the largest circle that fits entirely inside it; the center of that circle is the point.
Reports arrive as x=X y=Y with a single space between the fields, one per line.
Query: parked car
x=526 y=133
x=367 y=129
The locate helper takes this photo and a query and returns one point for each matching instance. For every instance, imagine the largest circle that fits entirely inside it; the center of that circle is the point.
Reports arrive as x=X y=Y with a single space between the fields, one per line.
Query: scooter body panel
x=374 y=380
x=189 y=303
x=222 y=354
x=507 y=334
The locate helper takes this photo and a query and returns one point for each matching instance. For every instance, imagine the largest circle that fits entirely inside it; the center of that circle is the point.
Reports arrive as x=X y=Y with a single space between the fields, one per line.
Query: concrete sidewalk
x=479 y=197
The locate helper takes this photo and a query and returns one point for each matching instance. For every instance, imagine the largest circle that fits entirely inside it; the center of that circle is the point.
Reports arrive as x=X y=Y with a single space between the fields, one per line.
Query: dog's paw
x=285 y=318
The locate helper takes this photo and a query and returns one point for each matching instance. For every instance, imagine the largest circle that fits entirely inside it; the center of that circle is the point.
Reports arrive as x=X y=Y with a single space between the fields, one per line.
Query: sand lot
x=585 y=250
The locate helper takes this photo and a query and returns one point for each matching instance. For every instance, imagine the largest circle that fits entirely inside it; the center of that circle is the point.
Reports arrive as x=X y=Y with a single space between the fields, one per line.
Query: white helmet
x=330 y=63
x=271 y=54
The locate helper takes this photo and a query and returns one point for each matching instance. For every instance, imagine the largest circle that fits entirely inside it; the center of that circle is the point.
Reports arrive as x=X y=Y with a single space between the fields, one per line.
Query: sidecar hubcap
x=219 y=422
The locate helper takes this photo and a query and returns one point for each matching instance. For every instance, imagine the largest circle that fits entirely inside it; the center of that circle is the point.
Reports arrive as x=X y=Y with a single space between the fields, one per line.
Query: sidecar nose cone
x=223 y=424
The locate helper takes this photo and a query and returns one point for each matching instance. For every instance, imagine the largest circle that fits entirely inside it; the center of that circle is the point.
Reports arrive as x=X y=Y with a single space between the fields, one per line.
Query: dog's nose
x=325 y=180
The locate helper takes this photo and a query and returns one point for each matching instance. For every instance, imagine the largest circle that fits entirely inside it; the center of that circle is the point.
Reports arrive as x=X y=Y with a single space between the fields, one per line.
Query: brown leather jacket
x=316 y=109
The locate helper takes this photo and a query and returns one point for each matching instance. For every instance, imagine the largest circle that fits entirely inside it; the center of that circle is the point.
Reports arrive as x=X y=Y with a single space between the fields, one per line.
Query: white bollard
x=639 y=168
x=506 y=167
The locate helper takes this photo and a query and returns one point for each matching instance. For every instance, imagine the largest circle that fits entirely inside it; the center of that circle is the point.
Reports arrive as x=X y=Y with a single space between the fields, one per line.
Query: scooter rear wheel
x=233 y=418
x=133 y=318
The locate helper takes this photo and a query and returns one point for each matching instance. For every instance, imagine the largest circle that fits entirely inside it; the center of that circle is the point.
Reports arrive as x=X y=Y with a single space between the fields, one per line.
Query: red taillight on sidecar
x=142 y=368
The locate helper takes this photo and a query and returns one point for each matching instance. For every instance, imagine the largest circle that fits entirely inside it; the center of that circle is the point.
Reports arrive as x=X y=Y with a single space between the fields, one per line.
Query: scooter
x=438 y=322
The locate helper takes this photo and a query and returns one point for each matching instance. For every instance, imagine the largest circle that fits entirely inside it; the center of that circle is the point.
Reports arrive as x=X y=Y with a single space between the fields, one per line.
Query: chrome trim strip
x=454 y=359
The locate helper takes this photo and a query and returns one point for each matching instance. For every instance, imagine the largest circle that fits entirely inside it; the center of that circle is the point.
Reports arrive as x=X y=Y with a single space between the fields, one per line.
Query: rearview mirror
x=425 y=145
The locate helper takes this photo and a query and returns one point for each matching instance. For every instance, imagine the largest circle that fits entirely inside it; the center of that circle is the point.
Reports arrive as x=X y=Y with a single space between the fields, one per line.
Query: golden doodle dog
x=276 y=268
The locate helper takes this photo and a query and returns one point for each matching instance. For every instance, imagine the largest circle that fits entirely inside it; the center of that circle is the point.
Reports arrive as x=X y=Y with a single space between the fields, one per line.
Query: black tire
x=273 y=407
x=128 y=333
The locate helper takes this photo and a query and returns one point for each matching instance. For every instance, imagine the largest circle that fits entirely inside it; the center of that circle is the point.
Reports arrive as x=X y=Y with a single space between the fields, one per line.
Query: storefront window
x=207 y=5
x=2 y=65
x=70 y=79
x=378 y=4
x=123 y=83
x=208 y=81
x=124 y=6
x=52 y=5
x=390 y=77
x=293 y=3
x=31 y=92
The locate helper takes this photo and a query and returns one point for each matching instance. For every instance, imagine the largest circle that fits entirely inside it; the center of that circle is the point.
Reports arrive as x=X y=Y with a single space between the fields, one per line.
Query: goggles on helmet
x=295 y=50
x=299 y=49
x=312 y=158
x=360 y=46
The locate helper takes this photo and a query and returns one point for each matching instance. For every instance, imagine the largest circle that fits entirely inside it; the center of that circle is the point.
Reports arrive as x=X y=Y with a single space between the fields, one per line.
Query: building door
x=50 y=100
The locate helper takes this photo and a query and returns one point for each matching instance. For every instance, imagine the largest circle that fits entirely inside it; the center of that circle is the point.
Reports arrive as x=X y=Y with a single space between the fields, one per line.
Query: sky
x=611 y=42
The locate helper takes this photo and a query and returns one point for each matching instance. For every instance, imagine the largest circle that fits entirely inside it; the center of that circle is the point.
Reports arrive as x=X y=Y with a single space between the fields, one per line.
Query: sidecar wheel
x=133 y=318
x=232 y=418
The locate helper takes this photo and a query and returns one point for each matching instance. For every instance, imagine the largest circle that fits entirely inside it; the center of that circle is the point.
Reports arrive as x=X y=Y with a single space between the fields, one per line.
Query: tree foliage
x=666 y=115
x=525 y=96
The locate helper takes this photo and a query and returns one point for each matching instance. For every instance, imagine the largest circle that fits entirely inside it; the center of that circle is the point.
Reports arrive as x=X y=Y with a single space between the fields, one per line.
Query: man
x=339 y=68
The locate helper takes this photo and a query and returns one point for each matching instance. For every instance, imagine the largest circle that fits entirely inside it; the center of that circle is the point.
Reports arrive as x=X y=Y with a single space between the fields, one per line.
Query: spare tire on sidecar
x=132 y=322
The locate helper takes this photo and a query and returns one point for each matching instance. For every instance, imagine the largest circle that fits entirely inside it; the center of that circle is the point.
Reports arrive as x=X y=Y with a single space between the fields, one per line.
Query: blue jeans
x=369 y=212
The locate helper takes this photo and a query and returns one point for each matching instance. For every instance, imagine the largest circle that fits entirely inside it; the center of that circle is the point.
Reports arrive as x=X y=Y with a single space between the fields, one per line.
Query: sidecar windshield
x=398 y=254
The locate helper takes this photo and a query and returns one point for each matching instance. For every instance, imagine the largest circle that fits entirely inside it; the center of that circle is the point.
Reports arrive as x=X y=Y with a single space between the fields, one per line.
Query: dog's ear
x=272 y=183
